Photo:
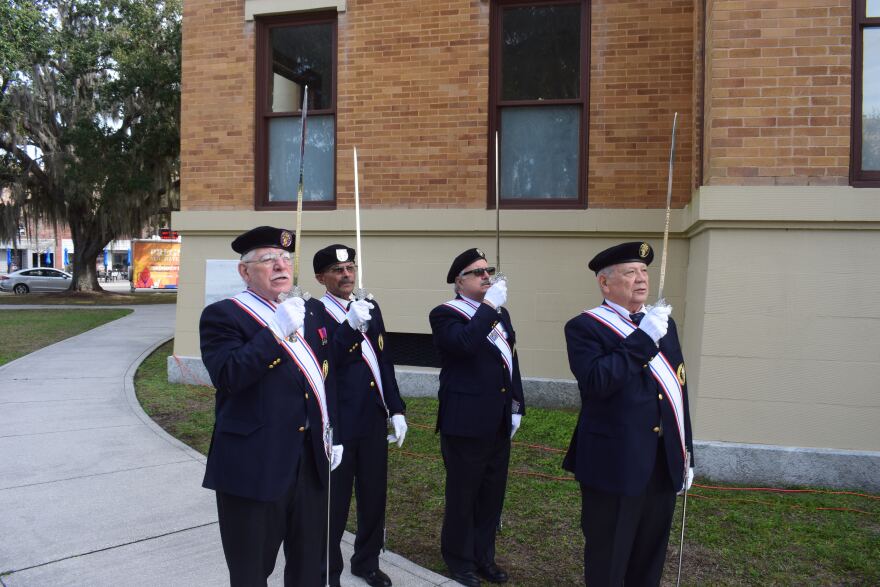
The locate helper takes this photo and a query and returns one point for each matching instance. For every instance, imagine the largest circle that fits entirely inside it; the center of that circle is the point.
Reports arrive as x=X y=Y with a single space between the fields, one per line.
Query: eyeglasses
x=270 y=258
x=479 y=271
x=340 y=269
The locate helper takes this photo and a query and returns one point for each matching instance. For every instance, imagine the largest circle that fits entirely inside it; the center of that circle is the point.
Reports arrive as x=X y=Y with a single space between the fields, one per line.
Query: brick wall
x=413 y=97
x=778 y=109
x=642 y=71
x=217 y=118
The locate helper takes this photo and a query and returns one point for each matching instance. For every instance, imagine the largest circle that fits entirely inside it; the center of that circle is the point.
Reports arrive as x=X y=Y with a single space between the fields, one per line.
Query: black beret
x=263 y=236
x=330 y=255
x=623 y=253
x=462 y=261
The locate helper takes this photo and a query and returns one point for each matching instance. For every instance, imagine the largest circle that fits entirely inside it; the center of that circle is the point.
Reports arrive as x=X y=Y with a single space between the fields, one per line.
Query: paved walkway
x=93 y=492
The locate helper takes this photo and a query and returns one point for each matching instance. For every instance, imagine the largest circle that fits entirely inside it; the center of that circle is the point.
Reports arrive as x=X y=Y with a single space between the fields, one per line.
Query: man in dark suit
x=274 y=411
x=630 y=450
x=481 y=405
x=368 y=399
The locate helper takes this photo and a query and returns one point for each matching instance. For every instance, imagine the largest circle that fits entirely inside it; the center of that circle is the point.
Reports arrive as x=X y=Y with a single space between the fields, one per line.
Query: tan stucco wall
x=774 y=289
x=406 y=254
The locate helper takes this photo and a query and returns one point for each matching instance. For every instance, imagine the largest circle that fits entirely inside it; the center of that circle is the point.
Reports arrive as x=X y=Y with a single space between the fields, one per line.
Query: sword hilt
x=362 y=294
x=495 y=279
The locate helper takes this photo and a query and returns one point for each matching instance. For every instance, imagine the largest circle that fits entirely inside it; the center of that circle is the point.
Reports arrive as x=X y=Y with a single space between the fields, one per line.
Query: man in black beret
x=368 y=401
x=275 y=408
x=481 y=405
x=631 y=447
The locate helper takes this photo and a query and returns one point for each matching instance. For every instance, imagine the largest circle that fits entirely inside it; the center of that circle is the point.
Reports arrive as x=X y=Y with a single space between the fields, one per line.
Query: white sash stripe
x=661 y=369
x=261 y=311
x=497 y=336
x=371 y=358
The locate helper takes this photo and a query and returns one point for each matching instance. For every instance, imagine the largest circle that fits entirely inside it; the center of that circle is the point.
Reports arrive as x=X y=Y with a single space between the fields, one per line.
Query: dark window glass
x=301 y=56
x=540 y=52
x=871 y=99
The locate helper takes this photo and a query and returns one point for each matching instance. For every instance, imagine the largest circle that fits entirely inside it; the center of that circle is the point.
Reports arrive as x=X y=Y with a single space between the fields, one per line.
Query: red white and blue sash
x=262 y=310
x=661 y=368
x=368 y=352
x=497 y=336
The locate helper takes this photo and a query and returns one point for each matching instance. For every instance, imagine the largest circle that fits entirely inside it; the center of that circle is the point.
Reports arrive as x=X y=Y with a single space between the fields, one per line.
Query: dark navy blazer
x=476 y=388
x=262 y=403
x=357 y=391
x=613 y=448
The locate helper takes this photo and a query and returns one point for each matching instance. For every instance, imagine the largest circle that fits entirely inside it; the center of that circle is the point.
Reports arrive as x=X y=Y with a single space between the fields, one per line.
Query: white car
x=36 y=279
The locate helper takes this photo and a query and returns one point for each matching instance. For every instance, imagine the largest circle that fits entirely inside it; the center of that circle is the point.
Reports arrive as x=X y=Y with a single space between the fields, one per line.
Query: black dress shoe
x=493 y=573
x=466 y=578
x=374 y=578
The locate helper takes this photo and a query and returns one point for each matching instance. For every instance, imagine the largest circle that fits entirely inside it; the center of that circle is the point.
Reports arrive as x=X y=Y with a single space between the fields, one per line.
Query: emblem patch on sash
x=325 y=368
x=286 y=238
x=680 y=373
x=381 y=343
x=644 y=250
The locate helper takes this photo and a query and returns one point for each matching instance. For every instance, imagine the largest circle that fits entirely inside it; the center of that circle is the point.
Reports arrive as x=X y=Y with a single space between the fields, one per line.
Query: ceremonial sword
x=684 y=505
x=360 y=293
x=297 y=291
x=499 y=276
x=661 y=301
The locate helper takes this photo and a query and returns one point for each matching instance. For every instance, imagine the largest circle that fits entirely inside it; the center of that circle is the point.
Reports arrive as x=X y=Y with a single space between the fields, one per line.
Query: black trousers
x=625 y=537
x=476 y=479
x=365 y=464
x=252 y=531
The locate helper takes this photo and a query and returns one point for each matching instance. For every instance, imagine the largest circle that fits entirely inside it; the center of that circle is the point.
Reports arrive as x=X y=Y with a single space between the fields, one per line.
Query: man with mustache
x=481 y=405
x=275 y=408
x=629 y=449
x=368 y=400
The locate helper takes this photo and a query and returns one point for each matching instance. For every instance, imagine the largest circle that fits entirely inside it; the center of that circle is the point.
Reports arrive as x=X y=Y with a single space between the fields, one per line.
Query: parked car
x=35 y=280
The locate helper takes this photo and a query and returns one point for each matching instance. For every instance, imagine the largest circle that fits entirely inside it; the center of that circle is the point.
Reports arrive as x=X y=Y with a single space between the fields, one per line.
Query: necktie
x=637 y=317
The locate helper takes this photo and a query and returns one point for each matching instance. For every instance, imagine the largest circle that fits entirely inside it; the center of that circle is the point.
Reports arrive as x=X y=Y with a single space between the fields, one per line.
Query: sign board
x=154 y=264
x=221 y=280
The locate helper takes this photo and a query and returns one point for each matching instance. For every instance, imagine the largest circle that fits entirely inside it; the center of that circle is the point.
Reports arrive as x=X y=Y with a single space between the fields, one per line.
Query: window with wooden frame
x=865 y=164
x=294 y=52
x=539 y=65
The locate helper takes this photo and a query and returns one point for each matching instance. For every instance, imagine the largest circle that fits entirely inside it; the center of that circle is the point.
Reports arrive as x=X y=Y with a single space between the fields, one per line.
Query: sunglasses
x=479 y=272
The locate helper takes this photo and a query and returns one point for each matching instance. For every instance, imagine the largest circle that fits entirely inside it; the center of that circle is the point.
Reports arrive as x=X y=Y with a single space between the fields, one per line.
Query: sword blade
x=684 y=505
x=299 y=188
x=668 y=212
x=497 y=209
x=357 y=223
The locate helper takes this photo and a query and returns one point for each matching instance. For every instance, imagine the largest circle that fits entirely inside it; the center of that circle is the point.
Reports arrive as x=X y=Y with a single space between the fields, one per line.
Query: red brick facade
x=778 y=107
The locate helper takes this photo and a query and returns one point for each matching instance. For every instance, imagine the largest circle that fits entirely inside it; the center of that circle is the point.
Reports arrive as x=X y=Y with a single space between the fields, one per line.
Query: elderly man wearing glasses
x=369 y=401
x=275 y=408
x=481 y=405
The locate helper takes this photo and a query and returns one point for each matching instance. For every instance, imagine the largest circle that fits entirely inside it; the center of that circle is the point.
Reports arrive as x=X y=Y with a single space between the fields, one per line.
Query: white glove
x=497 y=294
x=515 y=420
x=656 y=322
x=398 y=422
x=335 y=455
x=289 y=317
x=359 y=313
x=688 y=481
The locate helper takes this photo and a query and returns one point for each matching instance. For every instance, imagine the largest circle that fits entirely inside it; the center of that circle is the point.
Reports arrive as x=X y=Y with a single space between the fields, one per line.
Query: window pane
x=301 y=55
x=540 y=52
x=539 y=152
x=871 y=100
x=873 y=8
x=284 y=143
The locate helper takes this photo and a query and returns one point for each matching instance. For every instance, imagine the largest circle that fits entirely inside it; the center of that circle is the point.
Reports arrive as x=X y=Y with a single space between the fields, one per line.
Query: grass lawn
x=105 y=298
x=25 y=331
x=734 y=537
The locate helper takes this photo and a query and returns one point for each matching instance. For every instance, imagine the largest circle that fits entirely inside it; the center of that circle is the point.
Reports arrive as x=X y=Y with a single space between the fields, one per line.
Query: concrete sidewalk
x=93 y=492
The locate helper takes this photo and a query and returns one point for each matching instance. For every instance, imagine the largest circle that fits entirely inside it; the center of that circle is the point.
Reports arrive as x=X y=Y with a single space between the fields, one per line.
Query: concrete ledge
x=787 y=465
x=719 y=461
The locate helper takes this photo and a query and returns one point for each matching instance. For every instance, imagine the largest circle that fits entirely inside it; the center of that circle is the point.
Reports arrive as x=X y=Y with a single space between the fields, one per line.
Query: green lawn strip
x=105 y=298
x=733 y=537
x=25 y=331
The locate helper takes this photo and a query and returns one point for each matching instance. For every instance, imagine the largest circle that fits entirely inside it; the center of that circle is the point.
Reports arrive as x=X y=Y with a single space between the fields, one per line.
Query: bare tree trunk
x=86 y=247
